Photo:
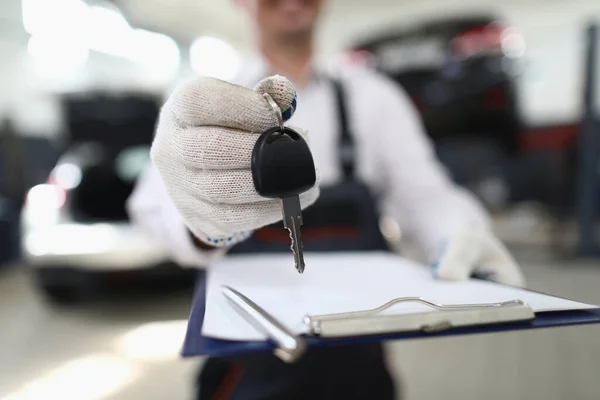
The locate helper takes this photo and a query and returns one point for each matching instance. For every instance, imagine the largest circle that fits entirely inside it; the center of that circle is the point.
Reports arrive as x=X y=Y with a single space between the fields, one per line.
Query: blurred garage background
x=90 y=308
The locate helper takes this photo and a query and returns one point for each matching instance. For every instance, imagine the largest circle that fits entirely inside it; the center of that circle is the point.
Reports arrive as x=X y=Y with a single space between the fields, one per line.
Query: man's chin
x=295 y=33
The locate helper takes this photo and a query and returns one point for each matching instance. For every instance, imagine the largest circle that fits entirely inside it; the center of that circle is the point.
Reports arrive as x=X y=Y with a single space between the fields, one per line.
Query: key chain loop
x=276 y=109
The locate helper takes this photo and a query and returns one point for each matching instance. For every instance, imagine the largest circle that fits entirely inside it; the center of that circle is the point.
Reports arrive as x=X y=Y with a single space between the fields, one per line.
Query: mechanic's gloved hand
x=202 y=150
x=477 y=252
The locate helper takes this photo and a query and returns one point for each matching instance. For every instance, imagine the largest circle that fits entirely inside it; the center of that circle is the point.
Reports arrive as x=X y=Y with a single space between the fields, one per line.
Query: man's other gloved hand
x=477 y=252
x=203 y=148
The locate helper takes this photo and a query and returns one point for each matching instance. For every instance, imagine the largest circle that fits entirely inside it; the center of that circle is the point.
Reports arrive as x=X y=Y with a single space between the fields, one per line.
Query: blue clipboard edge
x=197 y=345
x=217 y=347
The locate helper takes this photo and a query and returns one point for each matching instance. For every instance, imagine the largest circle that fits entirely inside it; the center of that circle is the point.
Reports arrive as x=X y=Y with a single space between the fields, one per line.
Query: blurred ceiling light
x=94 y=377
x=43 y=16
x=110 y=33
x=214 y=57
x=109 y=19
x=107 y=31
x=63 y=32
x=158 y=53
x=57 y=55
x=154 y=341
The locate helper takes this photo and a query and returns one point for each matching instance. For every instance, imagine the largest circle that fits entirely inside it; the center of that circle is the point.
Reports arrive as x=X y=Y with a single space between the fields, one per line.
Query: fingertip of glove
x=485 y=275
x=193 y=91
x=516 y=280
x=448 y=274
x=283 y=93
x=434 y=269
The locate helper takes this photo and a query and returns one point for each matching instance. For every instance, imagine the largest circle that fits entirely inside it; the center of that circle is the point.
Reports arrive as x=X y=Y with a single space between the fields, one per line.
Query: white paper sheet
x=341 y=282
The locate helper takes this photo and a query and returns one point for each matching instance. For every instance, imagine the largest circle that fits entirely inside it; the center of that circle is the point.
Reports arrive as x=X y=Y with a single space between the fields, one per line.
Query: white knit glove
x=477 y=252
x=202 y=151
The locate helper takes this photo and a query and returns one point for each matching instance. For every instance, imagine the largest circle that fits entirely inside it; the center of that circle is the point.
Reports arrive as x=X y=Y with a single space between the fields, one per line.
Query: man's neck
x=292 y=59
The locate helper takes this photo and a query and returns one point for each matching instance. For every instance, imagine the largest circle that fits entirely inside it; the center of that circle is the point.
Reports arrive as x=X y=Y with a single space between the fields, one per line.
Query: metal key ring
x=275 y=108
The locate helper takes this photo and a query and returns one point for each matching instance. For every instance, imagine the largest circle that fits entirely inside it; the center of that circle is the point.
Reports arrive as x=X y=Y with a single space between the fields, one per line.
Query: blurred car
x=459 y=72
x=76 y=224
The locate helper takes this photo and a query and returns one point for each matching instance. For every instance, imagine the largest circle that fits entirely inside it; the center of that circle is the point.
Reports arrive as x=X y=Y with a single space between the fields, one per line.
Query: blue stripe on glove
x=287 y=114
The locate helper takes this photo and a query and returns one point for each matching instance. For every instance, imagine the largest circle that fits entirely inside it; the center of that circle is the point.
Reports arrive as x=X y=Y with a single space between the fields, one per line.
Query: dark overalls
x=344 y=218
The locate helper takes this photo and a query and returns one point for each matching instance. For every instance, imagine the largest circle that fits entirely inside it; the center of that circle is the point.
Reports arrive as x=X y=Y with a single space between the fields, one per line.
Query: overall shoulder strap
x=346 y=138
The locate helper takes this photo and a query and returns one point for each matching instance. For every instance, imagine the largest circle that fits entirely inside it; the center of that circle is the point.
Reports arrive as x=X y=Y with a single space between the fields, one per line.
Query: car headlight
x=43 y=204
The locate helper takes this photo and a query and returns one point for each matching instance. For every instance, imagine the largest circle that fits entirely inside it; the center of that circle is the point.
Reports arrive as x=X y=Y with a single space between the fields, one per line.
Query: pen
x=289 y=346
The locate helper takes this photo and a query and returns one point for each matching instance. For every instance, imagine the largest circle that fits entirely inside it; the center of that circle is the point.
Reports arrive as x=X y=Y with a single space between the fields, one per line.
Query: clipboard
x=370 y=326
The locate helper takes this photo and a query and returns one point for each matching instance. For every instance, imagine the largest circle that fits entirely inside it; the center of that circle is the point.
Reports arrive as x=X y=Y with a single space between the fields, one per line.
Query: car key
x=283 y=167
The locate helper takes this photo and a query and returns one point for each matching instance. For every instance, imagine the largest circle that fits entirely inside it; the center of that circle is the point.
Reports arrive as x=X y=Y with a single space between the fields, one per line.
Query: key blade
x=292 y=220
x=297 y=244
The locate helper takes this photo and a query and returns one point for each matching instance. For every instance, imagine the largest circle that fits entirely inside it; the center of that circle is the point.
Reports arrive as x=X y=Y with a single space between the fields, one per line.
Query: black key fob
x=282 y=164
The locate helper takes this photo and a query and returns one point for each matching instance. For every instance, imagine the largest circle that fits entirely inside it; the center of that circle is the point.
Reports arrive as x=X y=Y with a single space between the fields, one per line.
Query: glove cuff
x=225 y=241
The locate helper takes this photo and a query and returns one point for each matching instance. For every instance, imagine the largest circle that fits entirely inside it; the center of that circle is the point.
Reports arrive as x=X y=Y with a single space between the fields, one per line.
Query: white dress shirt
x=394 y=157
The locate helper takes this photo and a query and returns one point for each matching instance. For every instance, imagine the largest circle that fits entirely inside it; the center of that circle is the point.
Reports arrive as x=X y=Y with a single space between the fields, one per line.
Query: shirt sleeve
x=415 y=189
x=151 y=209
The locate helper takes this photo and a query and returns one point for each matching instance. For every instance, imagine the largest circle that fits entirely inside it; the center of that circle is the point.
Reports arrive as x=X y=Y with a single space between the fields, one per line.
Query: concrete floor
x=126 y=348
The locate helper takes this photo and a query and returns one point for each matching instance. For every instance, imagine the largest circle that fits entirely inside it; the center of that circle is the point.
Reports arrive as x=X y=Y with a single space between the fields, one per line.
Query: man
x=200 y=200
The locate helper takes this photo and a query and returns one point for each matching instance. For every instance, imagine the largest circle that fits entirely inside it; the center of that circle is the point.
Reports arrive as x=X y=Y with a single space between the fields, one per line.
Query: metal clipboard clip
x=290 y=347
x=371 y=322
